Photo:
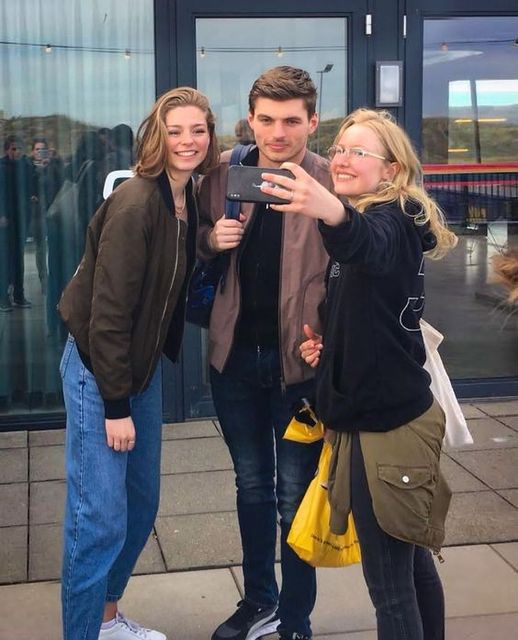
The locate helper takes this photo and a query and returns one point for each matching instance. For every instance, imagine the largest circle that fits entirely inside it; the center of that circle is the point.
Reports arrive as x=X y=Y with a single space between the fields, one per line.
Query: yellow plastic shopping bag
x=304 y=426
x=310 y=536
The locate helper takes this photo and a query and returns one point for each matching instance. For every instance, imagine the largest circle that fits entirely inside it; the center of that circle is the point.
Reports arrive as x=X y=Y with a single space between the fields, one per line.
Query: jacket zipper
x=165 y=307
x=279 y=325
x=238 y=258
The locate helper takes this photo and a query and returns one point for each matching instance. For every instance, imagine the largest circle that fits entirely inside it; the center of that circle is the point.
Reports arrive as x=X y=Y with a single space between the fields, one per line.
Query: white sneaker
x=125 y=629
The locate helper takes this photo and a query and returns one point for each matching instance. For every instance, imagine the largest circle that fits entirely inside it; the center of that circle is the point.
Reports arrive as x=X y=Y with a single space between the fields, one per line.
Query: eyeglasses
x=351 y=152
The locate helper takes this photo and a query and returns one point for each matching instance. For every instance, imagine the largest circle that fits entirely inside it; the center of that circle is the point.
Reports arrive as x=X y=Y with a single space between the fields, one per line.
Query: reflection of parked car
x=471 y=194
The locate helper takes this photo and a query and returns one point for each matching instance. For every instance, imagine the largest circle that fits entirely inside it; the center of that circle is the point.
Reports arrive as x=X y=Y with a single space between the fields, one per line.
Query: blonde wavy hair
x=152 y=133
x=405 y=187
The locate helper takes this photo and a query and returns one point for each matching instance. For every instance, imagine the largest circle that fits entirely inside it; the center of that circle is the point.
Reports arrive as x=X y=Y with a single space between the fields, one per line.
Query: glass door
x=465 y=115
x=223 y=52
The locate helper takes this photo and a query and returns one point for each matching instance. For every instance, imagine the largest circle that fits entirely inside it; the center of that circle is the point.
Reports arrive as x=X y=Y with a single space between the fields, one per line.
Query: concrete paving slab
x=13 y=465
x=496 y=468
x=205 y=492
x=511 y=421
x=343 y=602
x=489 y=433
x=185 y=430
x=356 y=635
x=47 y=463
x=45 y=551
x=13 y=555
x=471 y=411
x=509 y=551
x=499 y=408
x=458 y=478
x=14 y=501
x=480 y=517
x=41 y=620
x=184 y=606
x=202 y=540
x=465 y=574
x=47 y=437
x=151 y=559
x=13 y=439
x=511 y=495
x=502 y=627
x=47 y=502
x=188 y=456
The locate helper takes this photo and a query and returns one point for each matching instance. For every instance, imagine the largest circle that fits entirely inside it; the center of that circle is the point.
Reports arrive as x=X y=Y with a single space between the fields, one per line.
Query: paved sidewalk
x=190 y=577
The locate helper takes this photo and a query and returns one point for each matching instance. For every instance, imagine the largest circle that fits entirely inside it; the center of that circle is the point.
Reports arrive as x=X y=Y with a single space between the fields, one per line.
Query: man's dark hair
x=11 y=140
x=284 y=83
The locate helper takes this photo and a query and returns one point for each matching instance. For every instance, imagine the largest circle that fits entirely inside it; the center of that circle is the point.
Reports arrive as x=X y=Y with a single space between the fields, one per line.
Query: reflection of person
x=17 y=193
x=124 y=306
x=275 y=279
x=49 y=175
x=121 y=156
x=244 y=133
x=371 y=385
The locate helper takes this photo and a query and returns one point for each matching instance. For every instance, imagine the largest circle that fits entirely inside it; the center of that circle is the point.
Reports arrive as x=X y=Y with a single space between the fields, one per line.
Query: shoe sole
x=263 y=630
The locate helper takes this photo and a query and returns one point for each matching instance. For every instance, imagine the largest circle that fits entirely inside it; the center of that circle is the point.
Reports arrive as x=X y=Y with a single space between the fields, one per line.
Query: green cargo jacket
x=409 y=493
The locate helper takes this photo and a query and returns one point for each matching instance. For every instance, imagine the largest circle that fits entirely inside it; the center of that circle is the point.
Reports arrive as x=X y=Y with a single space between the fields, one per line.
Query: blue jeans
x=271 y=474
x=112 y=497
x=403 y=582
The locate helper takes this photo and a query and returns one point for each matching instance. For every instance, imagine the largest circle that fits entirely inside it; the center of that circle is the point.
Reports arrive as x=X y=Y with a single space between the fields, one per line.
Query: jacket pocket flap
x=404 y=477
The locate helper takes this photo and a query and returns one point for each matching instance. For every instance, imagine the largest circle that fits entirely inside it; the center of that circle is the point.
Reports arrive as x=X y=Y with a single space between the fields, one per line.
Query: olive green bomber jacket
x=409 y=493
x=125 y=303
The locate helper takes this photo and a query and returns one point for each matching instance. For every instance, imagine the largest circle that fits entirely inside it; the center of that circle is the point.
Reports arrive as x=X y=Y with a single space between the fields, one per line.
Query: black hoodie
x=370 y=376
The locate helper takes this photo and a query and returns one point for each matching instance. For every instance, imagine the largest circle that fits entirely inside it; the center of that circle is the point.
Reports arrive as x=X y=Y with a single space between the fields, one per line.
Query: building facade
x=78 y=77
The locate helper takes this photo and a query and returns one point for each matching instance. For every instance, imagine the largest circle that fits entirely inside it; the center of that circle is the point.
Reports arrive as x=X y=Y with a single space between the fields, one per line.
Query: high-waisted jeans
x=112 y=497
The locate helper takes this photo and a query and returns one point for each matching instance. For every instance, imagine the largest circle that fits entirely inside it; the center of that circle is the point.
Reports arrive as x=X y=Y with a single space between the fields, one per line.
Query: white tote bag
x=457 y=433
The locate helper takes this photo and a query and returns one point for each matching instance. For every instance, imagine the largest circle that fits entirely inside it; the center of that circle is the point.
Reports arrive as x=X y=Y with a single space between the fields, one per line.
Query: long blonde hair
x=405 y=186
x=152 y=133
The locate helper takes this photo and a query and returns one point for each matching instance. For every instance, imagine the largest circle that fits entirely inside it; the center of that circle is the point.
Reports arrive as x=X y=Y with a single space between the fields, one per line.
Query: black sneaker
x=248 y=623
x=22 y=303
x=293 y=636
x=5 y=305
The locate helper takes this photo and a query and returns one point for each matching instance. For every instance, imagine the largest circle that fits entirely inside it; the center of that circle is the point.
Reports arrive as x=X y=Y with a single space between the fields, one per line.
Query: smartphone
x=244 y=184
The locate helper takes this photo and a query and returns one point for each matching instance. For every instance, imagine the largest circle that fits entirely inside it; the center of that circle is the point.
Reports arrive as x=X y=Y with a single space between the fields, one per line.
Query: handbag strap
x=232 y=207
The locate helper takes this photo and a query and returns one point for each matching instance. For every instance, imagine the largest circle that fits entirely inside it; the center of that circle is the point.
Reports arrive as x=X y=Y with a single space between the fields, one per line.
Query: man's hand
x=227 y=233
x=120 y=434
x=311 y=348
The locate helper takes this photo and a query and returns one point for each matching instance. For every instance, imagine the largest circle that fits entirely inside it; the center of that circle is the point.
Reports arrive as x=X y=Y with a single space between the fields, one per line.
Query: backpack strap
x=232 y=207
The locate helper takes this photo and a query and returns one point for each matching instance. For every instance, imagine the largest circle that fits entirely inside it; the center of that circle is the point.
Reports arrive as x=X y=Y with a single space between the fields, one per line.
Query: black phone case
x=244 y=184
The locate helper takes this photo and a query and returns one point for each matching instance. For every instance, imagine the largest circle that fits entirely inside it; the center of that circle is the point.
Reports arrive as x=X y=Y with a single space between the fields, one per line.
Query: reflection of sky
x=102 y=88
x=226 y=77
x=463 y=49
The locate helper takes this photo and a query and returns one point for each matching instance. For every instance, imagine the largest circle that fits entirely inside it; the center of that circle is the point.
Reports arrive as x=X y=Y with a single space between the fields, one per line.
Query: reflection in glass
x=470 y=155
x=233 y=52
x=76 y=81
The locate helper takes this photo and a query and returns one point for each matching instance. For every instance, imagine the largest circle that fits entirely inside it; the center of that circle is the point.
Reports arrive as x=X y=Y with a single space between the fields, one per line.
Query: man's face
x=13 y=151
x=39 y=151
x=281 y=129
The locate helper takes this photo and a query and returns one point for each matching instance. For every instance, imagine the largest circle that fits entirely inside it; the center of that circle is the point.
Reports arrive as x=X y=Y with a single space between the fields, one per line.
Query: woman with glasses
x=372 y=391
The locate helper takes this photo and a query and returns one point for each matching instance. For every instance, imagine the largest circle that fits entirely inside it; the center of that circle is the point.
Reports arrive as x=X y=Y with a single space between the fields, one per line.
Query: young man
x=274 y=285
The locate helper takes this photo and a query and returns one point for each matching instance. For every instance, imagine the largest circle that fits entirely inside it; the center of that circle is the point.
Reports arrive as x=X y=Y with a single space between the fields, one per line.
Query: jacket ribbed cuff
x=115 y=409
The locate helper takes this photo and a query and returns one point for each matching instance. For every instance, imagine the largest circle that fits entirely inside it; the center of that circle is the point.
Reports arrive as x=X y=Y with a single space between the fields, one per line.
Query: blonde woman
x=124 y=307
x=372 y=390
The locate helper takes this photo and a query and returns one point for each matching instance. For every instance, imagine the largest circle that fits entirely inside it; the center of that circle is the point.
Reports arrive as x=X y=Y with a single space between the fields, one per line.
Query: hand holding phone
x=244 y=184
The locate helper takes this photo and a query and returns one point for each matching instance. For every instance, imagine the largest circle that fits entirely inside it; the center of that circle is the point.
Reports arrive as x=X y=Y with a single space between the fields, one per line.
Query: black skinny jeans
x=403 y=582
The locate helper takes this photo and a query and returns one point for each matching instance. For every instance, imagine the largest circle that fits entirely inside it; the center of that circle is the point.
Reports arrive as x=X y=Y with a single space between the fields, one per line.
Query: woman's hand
x=120 y=434
x=311 y=348
x=227 y=233
x=306 y=195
